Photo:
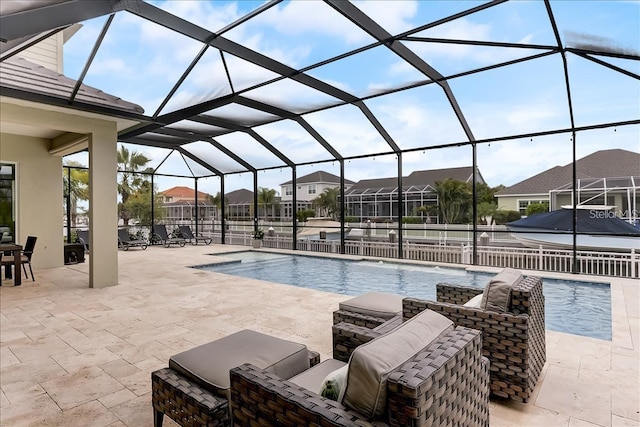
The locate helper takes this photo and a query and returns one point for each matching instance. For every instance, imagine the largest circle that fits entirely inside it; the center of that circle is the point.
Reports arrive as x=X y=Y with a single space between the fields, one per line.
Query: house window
x=288 y=191
x=7 y=203
x=311 y=189
x=522 y=205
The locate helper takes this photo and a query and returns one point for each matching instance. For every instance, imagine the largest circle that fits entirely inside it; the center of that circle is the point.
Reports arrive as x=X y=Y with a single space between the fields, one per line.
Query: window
x=288 y=191
x=311 y=189
x=522 y=205
x=7 y=202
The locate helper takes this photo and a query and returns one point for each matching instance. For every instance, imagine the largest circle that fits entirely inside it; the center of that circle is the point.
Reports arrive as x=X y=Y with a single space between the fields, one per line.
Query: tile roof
x=18 y=73
x=418 y=178
x=238 y=197
x=601 y=164
x=319 y=176
x=184 y=193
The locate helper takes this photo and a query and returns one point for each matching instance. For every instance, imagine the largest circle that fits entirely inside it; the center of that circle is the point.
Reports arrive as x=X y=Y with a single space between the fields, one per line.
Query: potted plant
x=258 y=235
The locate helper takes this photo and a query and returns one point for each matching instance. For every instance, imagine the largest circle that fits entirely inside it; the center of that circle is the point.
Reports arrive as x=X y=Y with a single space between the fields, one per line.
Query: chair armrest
x=503 y=325
x=262 y=398
x=357 y=319
x=347 y=337
x=314 y=358
x=447 y=383
x=455 y=294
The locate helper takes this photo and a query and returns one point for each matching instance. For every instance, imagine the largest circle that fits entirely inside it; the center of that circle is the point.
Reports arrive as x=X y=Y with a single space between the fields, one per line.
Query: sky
x=141 y=61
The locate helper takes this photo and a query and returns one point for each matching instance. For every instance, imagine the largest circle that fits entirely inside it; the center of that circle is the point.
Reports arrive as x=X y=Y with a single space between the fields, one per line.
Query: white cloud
x=110 y=66
x=310 y=18
x=395 y=17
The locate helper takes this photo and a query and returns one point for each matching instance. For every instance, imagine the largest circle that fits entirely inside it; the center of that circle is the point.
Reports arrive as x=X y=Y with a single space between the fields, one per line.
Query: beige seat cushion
x=209 y=364
x=376 y=304
x=474 y=302
x=497 y=294
x=312 y=379
x=371 y=363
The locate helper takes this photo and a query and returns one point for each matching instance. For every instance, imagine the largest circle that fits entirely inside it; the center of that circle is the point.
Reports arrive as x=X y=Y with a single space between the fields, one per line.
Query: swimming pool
x=579 y=308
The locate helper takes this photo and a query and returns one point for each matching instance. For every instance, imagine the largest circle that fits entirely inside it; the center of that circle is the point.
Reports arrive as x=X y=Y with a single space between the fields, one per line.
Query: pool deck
x=75 y=356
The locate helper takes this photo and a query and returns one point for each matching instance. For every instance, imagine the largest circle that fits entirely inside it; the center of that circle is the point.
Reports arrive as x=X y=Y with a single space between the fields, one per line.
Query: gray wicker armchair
x=514 y=342
x=446 y=383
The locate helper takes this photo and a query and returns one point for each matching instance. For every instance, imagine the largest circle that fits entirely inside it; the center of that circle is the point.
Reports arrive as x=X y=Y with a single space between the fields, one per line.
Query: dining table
x=17 y=259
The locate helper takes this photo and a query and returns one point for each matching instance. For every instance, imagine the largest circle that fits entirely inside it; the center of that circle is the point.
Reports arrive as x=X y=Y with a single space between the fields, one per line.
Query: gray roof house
x=374 y=198
x=309 y=187
x=418 y=179
x=605 y=177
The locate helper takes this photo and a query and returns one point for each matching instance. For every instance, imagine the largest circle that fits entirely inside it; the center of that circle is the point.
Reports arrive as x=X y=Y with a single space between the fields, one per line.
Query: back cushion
x=497 y=294
x=371 y=363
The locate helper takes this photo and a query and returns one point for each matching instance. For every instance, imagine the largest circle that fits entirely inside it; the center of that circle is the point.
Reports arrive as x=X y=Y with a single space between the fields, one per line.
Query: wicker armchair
x=444 y=384
x=514 y=342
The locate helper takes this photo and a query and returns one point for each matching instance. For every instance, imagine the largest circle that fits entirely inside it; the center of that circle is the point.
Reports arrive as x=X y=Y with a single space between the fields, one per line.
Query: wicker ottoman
x=194 y=389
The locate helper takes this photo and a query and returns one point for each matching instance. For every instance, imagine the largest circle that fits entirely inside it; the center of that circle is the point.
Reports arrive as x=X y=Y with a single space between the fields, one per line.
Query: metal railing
x=617 y=264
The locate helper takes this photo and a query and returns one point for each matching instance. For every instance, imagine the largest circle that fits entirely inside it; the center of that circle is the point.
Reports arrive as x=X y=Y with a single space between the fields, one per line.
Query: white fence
x=617 y=264
x=452 y=247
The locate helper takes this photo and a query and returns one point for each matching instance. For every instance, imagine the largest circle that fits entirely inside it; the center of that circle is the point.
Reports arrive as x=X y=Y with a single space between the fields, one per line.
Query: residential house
x=308 y=187
x=34 y=137
x=604 y=178
x=180 y=203
x=238 y=204
x=376 y=199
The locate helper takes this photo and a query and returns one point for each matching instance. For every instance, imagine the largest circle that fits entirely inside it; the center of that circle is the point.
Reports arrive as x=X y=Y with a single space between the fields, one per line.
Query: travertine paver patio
x=75 y=356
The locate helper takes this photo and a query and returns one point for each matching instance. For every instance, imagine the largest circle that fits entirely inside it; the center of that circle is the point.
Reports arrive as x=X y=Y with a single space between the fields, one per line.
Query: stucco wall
x=39 y=206
x=508 y=203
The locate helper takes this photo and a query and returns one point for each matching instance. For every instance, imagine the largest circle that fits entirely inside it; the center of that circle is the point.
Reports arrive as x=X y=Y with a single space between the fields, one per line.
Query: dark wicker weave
x=185 y=402
x=357 y=319
x=514 y=342
x=188 y=403
x=348 y=336
x=446 y=384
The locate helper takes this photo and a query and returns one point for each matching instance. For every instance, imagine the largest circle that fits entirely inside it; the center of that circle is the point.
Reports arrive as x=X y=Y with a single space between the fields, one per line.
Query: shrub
x=503 y=217
x=535 y=208
x=411 y=220
x=304 y=214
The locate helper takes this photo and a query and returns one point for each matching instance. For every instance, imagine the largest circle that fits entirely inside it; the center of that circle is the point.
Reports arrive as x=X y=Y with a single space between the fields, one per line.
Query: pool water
x=574 y=307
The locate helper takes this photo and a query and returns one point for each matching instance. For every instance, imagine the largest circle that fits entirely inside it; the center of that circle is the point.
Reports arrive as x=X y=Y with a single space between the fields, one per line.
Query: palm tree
x=454 y=200
x=486 y=210
x=76 y=183
x=266 y=197
x=327 y=202
x=217 y=202
x=129 y=163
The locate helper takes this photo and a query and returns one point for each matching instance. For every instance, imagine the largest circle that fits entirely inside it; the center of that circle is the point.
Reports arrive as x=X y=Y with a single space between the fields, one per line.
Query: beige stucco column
x=103 y=211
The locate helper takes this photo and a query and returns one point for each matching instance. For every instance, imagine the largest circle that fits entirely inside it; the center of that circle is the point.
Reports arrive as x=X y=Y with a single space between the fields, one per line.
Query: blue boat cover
x=588 y=221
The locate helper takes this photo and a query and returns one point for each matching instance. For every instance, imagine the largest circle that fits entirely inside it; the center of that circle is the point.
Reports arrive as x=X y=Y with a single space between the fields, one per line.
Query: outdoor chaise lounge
x=186 y=232
x=160 y=233
x=125 y=241
x=510 y=314
x=421 y=372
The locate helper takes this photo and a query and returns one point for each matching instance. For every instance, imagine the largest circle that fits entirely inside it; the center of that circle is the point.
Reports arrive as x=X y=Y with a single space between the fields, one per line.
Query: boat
x=599 y=228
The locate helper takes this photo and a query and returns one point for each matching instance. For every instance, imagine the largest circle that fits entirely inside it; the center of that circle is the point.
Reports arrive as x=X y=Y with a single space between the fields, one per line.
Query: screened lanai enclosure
x=249 y=95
